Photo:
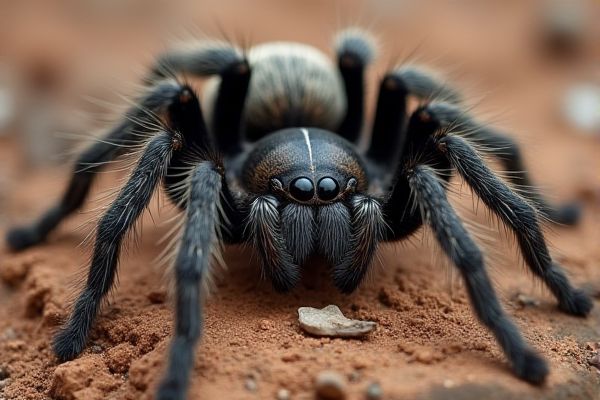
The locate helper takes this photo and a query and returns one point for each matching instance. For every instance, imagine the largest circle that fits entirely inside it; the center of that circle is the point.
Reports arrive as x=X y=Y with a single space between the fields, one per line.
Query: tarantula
x=276 y=164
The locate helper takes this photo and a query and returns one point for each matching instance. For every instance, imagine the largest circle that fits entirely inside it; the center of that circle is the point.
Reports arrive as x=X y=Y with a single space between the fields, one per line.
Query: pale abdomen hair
x=292 y=85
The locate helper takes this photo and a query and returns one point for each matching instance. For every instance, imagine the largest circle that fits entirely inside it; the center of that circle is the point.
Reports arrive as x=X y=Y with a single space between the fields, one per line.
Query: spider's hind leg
x=120 y=139
x=222 y=61
x=355 y=49
x=512 y=209
x=507 y=151
x=389 y=131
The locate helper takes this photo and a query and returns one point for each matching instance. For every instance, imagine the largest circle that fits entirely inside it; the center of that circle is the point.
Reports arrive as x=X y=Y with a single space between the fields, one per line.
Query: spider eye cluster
x=303 y=189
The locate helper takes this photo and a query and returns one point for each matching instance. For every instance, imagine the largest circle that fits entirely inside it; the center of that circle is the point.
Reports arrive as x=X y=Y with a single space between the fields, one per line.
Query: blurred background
x=532 y=68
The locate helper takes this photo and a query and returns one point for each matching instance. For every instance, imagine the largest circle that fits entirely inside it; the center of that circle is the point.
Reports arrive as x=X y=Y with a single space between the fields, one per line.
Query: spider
x=274 y=162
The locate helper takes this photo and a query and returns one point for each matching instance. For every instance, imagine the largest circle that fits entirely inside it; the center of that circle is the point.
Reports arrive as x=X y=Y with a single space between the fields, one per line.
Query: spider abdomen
x=292 y=84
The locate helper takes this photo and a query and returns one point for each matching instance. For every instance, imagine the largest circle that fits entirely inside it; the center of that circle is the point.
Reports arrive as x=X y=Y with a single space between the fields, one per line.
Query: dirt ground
x=428 y=344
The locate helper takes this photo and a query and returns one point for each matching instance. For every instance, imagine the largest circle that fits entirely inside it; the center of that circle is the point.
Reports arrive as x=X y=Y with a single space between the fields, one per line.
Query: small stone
x=374 y=391
x=3 y=384
x=330 y=385
x=8 y=334
x=595 y=361
x=592 y=345
x=330 y=321
x=265 y=325
x=283 y=394
x=582 y=107
x=3 y=373
x=449 y=383
x=354 y=376
x=424 y=356
x=526 y=301
x=250 y=385
x=157 y=296
x=96 y=349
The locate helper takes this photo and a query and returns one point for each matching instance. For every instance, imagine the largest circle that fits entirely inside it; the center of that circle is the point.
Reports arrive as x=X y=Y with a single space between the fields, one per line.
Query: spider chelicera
x=276 y=165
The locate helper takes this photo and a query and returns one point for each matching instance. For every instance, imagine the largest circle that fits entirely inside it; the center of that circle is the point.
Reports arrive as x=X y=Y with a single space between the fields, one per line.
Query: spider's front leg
x=198 y=242
x=462 y=250
x=118 y=221
x=113 y=227
x=418 y=196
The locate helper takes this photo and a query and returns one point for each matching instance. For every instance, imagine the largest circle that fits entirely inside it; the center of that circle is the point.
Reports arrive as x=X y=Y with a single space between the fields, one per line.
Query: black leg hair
x=204 y=58
x=191 y=268
x=520 y=217
x=400 y=211
x=507 y=152
x=112 y=229
x=122 y=137
x=264 y=229
x=229 y=107
x=367 y=231
x=460 y=248
x=355 y=50
x=387 y=138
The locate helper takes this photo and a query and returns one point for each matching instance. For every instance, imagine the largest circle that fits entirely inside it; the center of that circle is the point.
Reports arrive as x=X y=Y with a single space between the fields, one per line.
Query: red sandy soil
x=428 y=343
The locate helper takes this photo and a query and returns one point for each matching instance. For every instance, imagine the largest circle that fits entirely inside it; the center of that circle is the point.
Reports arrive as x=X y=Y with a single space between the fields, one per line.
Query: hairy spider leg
x=430 y=143
x=355 y=51
x=191 y=269
x=464 y=253
x=507 y=152
x=112 y=229
x=367 y=228
x=419 y=197
x=123 y=138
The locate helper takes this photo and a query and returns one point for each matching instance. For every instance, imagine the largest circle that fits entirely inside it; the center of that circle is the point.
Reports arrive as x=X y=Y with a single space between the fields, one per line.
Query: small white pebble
x=250 y=385
x=374 y=391
x=330 y=321
x=330 y=385
x=582 y=107
x=283 y=394
x=449 y=383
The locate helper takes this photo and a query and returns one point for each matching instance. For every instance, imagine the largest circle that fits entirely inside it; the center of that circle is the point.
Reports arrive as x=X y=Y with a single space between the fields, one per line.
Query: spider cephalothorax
x=277 y=165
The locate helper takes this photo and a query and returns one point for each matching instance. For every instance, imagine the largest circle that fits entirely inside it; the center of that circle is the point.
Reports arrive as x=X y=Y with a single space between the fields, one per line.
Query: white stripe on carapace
x=307 y=140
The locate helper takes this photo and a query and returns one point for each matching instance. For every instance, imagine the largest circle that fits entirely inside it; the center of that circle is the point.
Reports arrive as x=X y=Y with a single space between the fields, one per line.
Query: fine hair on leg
x=191 y=268
x=335 y=230
x=521 y=217
x=464 y=253
x=112 y=229
x=199 y=58
x=297 y=229
x=119 y=140
x=507 y=152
